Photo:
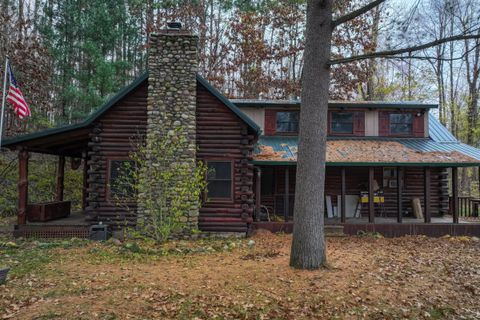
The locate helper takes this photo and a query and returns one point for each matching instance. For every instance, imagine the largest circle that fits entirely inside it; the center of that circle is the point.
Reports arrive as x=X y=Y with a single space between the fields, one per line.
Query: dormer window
x=401 y=123
x=287 y=121
x=341 y=123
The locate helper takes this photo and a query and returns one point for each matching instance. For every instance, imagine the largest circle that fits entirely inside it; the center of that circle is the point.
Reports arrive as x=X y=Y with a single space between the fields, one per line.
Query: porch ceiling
x=67 y=141
x=371 y=151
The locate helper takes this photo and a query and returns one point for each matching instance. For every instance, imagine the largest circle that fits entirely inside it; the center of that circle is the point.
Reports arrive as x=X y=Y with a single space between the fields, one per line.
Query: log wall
x=111 y=138
x=221 y=135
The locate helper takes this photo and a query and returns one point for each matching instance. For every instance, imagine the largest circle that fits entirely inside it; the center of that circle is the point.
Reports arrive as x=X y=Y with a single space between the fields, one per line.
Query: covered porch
x=373 y=194
x=54 y=218
x=367 y=187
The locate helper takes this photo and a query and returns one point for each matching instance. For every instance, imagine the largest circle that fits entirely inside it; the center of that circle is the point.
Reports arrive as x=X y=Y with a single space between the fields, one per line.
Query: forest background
x=70 y=56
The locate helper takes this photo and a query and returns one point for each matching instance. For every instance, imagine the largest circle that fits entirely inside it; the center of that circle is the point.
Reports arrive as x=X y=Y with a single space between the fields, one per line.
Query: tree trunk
x=308 y=245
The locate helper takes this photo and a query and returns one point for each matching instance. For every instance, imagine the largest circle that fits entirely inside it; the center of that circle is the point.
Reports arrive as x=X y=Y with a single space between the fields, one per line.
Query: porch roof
x=441 y=149
x=277 y=150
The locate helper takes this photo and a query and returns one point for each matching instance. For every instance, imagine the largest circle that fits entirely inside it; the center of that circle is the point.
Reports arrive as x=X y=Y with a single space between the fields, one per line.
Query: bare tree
x=308 y=244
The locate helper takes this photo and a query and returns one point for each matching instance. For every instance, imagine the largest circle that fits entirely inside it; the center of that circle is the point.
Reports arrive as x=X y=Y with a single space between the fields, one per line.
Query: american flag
x=16 y=98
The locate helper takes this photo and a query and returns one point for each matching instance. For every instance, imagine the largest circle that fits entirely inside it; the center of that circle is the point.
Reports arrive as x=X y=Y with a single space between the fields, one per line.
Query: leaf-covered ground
x=367 y=278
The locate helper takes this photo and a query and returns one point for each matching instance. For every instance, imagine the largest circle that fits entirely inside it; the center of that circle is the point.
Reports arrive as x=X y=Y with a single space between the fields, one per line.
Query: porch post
x=258 y=193
x=455 y=194
x=399 y=194
x=286 y=200
x=60 y=178
x=371 y=205
x=22 y=186
x=426 y=175
x=343 y=211
x=85 y=182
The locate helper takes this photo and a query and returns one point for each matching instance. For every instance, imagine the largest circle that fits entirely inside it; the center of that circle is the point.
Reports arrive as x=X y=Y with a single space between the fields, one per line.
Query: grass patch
x=440 y=312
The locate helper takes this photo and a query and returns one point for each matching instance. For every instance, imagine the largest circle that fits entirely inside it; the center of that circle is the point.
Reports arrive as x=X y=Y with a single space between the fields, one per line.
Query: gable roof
x=117 y=97
x=229 y=104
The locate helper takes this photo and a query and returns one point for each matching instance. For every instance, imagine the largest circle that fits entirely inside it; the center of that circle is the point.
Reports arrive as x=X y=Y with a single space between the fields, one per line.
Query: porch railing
x=467 y=206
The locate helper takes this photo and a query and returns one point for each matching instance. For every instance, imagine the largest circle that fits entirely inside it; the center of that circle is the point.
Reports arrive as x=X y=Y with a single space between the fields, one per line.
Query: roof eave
x=84 y=124
x=229 y=104
x=373 y=164
x=336 y=104
x=120 y=95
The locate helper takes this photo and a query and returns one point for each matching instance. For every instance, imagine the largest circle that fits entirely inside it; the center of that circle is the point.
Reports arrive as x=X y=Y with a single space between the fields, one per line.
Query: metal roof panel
x=375 y=151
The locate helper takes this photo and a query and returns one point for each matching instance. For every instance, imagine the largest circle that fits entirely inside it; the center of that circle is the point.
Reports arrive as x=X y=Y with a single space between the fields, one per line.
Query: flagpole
x=3 y=100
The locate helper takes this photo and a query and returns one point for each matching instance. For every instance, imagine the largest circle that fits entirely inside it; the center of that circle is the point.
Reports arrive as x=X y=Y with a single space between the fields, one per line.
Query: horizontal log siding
x=357 y=180
x=112 y=138
x=221 y=135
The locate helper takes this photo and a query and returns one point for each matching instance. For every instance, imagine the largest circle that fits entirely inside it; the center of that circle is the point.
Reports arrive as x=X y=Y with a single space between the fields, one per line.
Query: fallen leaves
x=367 y=277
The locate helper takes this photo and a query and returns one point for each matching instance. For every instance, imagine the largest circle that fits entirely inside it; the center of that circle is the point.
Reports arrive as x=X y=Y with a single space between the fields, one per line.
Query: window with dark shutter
x=401 y=123
x=287 y=121
x=121 y=182
x=341 y=123
x=219 y=179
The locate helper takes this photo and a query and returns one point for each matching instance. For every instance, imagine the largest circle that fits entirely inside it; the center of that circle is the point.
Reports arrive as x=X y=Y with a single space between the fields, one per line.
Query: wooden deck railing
x=467 y=206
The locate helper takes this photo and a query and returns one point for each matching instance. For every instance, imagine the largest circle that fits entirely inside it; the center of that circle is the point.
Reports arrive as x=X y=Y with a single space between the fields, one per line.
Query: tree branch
x=390 y=53
x=352 y=15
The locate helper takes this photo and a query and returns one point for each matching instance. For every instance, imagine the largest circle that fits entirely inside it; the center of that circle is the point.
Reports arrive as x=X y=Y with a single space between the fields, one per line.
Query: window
x=401 y=123
x=389 y=177
x=121 y=182
x=287 y=121
x=219 y=179
x=342 y=123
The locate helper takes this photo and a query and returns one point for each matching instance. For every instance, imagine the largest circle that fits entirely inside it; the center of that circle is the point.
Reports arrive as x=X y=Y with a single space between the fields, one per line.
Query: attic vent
x=175 y=25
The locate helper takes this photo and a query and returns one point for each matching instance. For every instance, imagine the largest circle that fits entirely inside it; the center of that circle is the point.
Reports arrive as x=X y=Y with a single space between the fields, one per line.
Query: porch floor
x=382 y=220
x=388 y=226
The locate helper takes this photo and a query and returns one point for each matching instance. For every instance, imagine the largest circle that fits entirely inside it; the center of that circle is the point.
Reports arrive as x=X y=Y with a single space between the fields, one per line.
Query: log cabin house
x=383 y=158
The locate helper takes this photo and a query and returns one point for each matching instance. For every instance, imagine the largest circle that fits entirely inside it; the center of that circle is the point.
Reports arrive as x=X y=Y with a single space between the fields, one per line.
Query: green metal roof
x=438 y=132
x=257 y=103
x=282 y=150
x=121 y=94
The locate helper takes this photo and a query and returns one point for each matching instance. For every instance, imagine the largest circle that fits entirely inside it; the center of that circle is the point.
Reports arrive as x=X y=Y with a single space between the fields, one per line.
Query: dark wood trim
x=371 y=204
x=399 y=194
x=455 y=194
x=258 y=193
x=232 y=179
x=343 y=187
x=270 y=122
x=60 y=178
x=287 y=191
x=107 y=181
x=85 y=182
x=108 y=161
x=22 y=186
x=427 y=198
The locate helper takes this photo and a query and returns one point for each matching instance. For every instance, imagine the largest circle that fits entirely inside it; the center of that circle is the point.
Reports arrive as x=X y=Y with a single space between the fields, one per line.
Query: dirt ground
x=367 y=278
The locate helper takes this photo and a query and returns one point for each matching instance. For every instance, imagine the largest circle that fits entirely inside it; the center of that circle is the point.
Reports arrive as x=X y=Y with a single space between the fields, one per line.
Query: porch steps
x=334 y=231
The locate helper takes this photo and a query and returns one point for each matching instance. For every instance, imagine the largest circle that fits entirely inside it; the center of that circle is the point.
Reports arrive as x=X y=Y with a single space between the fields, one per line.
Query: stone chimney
x=172 y=87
